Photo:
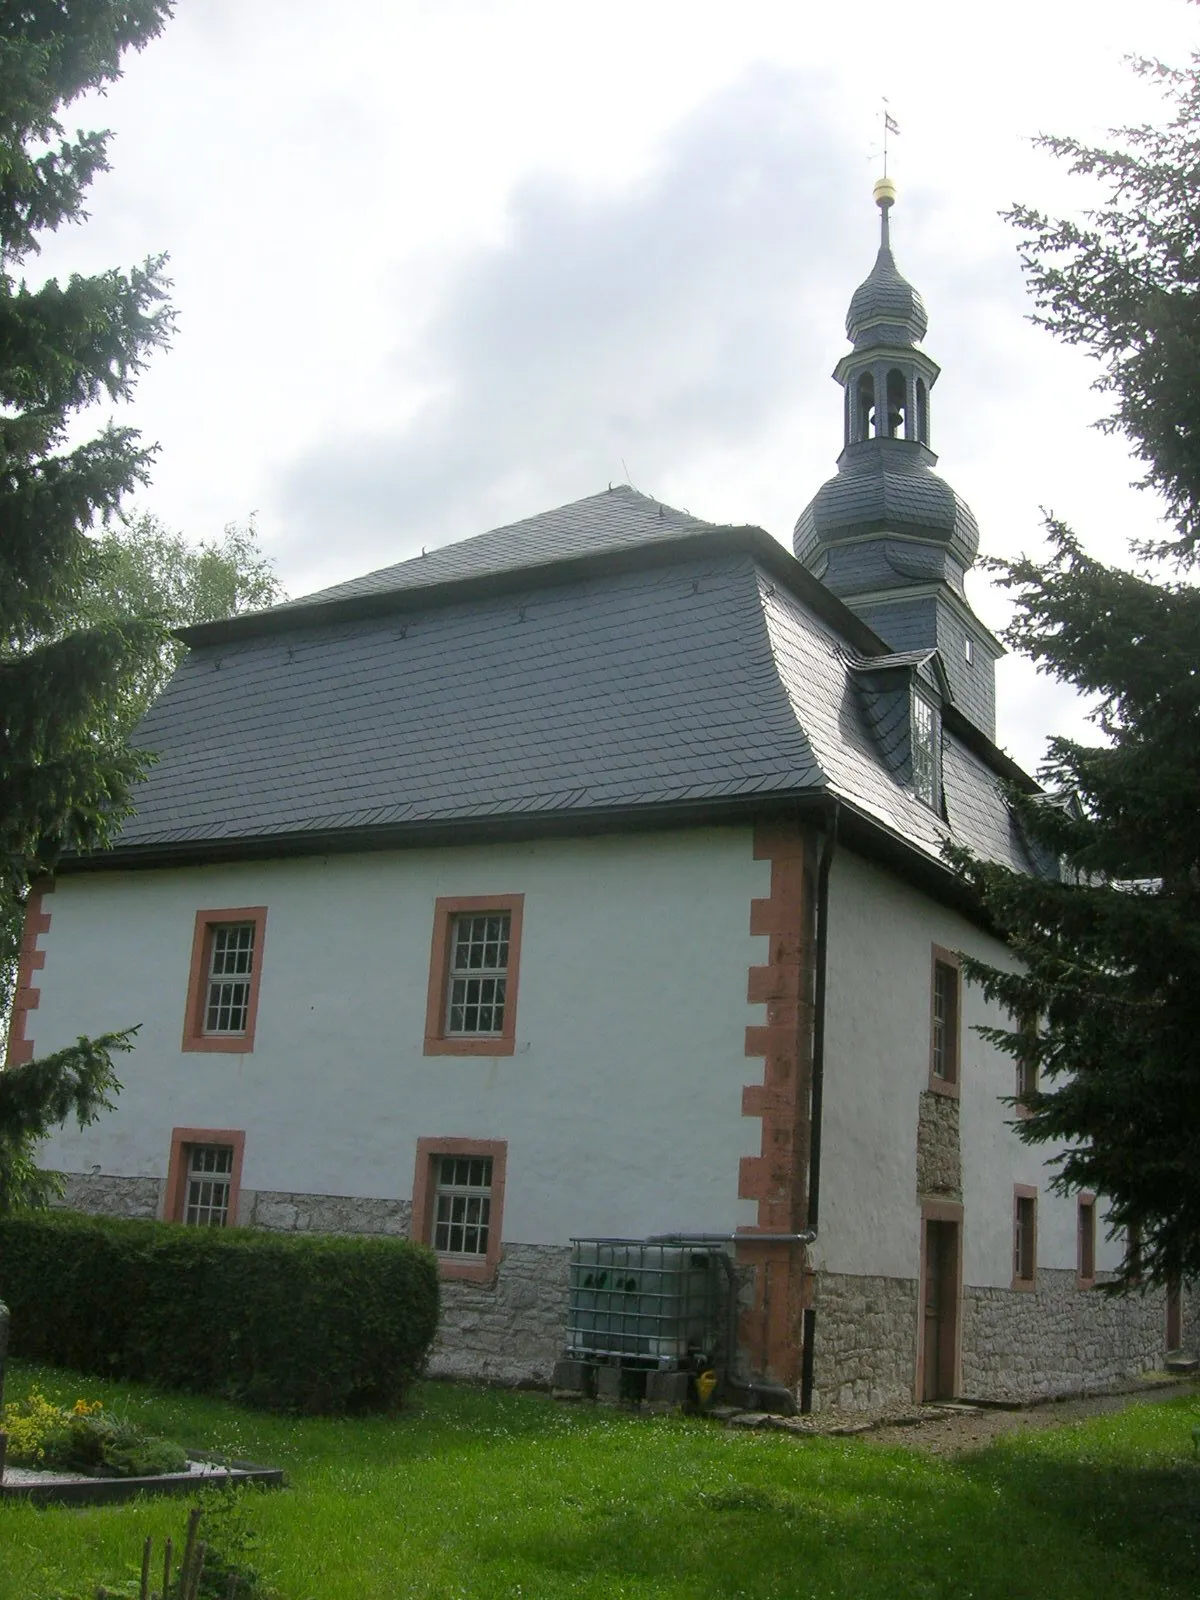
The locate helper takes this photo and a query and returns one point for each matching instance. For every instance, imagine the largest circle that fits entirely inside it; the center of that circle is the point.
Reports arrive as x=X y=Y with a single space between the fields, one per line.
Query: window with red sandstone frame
x=944 y=1022
x=204 y=1176
x=1087 y=1241
x=471 y=1008
x=458 y=1203
x=1024 y=1237
x=223 y=982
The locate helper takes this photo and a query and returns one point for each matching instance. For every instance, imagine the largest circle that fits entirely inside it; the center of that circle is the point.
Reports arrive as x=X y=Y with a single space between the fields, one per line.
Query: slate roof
x=885 y=308
x=697 y=672
x=616 y=517
x=888 y=486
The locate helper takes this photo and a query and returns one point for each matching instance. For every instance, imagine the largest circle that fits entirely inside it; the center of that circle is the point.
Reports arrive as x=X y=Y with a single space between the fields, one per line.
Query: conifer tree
x=1106 y=1007
x=65 y=770
x=147 y=572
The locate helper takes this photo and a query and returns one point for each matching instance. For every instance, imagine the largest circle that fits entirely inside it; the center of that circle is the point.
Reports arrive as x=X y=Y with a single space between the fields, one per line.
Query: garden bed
x=85 y=1454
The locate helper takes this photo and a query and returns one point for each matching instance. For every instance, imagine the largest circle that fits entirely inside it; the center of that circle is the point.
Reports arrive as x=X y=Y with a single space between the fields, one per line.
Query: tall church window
x=922 y=411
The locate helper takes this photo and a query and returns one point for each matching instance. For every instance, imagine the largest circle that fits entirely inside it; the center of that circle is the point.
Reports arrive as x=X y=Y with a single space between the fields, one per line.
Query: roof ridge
x=572 y=527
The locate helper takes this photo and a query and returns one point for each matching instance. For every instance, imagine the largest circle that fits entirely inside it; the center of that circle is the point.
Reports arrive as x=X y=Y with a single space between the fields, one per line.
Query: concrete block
x=576 y=1376
x=670 y=1388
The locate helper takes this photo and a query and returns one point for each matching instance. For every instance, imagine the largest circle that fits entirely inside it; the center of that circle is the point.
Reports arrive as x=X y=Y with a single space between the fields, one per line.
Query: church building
x=583 y=880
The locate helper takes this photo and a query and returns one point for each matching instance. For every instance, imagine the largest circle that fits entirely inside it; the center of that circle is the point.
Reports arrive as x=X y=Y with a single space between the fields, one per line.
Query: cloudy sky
x=441 y=264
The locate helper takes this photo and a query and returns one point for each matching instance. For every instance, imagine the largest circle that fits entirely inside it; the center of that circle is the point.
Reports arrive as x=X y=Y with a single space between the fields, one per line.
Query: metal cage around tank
x=641 y=1303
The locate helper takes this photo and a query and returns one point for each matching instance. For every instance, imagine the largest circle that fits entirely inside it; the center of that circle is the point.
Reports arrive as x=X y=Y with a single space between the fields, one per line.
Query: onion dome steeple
x=887 y=534
x=885 y=309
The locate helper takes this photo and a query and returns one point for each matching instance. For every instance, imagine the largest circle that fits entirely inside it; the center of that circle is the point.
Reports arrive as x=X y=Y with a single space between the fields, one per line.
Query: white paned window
x=1025 y=1239
x=462 y=1206
x=924 y=741
x=478 y=979
x=945 y=1021
x=230 y=969
x=209 y=1178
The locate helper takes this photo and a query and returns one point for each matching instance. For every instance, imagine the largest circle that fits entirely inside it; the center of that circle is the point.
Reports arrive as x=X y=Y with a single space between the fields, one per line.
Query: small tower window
x=925 y=742
x=895 y=404
x=922 y=412
x=969 y=652
x=866 y=405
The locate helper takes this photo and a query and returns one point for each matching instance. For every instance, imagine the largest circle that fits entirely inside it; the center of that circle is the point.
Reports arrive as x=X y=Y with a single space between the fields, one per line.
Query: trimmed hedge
x=297 y=1323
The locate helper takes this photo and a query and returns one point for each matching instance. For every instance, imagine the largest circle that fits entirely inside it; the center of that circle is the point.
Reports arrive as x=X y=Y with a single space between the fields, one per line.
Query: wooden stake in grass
x=190 y=1572
x=189 y=1553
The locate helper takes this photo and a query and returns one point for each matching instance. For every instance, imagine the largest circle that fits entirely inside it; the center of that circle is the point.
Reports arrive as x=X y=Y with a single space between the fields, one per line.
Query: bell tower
x=887 y=534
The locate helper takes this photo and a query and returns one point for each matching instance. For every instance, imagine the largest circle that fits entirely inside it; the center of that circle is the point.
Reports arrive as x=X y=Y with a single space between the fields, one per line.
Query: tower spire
x=885 y=199
x=887 y=534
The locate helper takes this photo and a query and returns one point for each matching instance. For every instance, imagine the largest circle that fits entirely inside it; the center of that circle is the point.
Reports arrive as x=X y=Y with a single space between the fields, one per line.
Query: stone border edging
x=112 y=1491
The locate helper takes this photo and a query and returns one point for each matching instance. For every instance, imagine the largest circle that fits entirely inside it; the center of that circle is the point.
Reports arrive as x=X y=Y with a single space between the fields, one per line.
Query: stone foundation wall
x=107 y=1196
x=1056 y=1339
x=509 y=1331
x=939 y=1149
x=866 y=1341
x=1016 y=1344
x=323 y=1213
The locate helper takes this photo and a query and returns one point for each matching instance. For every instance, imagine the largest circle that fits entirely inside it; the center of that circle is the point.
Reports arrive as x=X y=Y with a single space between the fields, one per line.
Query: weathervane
x=890 y=125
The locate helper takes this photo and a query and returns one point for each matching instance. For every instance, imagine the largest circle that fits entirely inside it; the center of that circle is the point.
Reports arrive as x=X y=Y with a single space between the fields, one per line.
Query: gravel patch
x=38 y=1475
x=953 y=1429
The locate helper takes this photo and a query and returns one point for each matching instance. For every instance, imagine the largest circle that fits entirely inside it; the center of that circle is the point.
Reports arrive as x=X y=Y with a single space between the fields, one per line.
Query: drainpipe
x=817 y=1097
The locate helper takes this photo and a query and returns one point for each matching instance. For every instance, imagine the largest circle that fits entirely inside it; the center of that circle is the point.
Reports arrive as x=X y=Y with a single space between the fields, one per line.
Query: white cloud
x=440 y=263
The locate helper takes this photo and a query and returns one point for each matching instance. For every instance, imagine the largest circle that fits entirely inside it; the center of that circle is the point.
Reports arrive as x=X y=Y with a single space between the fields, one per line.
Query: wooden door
x=1174 y=1316
x=939 y=1311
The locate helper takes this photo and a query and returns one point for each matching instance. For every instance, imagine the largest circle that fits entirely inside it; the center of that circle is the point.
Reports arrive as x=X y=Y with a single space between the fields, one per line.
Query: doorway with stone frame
x=940 y=1301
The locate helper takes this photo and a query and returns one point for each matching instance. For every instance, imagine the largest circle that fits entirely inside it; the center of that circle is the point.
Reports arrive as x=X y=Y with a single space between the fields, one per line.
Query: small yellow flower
x=28 y=1423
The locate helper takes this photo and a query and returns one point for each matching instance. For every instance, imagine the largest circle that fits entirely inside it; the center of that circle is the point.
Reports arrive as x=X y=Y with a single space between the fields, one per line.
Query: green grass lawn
x=476 y=1493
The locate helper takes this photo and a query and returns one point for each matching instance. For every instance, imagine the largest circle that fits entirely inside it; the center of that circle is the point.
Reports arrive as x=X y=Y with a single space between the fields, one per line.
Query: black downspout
x=816 y=1099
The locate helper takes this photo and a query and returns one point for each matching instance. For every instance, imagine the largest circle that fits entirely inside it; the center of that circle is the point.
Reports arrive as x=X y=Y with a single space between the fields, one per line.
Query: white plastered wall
x=881 y=934
x=621 y=1105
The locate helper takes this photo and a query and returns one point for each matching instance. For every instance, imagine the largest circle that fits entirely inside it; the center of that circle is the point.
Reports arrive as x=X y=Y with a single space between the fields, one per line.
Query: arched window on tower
x=922 y=412
x=865 y=407
x=895 y=404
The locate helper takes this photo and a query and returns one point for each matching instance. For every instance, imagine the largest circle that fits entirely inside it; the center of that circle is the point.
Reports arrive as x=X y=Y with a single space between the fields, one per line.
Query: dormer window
x=925 y=744
x=902 y=698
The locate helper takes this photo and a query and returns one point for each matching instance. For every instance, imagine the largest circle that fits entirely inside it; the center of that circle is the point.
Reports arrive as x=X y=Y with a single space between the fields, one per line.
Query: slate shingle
x=703 y=678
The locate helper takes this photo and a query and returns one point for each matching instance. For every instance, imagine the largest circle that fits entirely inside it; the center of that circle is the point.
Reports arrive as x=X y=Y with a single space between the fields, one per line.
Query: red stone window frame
x=1025 y=1208
x=438 y=1042
x=1085 y=1269
x=945 y=1066
x=182 y=1141
x=1027 y=1074
x=424 y=1190
x=194 y=1035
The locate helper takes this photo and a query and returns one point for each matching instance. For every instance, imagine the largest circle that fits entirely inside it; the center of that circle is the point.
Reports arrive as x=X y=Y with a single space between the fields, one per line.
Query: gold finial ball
x=885 y=192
